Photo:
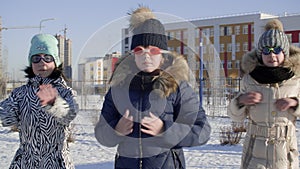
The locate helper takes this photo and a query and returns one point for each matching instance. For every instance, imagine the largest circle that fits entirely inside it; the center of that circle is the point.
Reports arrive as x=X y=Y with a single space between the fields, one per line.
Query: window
x=229 y=47
x=245 y=29
x=222 y=48
x=197 y=30
x=245 y=46
x=229 y=82
x=237 y=64
x=229 y=65
x=178 y=33
x=229 y=30
x=237 y=30
x=222 y=33
x=211 y=32
x=185 y=34
x=170 y=35
x=237 y=47
x=206 y=32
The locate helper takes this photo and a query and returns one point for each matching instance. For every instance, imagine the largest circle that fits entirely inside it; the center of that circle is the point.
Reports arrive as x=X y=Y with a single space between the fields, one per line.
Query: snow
x=87 y=153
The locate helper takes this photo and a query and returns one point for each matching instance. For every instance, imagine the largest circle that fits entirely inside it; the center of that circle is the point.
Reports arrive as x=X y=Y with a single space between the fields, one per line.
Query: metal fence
x=215 y=98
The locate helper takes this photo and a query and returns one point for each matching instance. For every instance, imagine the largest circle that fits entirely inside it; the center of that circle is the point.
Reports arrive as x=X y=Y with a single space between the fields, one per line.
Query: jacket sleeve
x=65 y=107
x=9 y=111
x=190 y=126
x=295 y=111
x=235 y=111
x=105 y=128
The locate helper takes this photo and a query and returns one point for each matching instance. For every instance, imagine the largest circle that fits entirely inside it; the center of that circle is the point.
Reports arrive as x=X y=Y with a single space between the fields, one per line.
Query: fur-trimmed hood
x=250 y=61
x=174 y=70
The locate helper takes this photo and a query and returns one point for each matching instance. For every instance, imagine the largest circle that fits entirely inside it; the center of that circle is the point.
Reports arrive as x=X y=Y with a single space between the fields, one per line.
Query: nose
x=273 y=56
x=147 y=55
x=42 y=61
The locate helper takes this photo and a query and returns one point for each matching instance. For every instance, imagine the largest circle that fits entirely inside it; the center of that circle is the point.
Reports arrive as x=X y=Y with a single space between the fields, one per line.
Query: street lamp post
x=43 y=20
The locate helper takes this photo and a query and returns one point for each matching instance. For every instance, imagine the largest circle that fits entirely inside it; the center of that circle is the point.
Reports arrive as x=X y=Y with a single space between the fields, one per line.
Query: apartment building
x=95 y=72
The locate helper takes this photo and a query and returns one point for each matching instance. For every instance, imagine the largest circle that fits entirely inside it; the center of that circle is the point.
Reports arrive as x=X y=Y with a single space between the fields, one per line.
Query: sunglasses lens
x=277 y=50
x=266 y=51
x=35 y=59
x=155 y=51
x=138 y=51
x=48 y=58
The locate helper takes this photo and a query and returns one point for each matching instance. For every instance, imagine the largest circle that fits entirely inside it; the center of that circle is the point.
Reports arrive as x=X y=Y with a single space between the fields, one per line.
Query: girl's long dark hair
x=57 y=72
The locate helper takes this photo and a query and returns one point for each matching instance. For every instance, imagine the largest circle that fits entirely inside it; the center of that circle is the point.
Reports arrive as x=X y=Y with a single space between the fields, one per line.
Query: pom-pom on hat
x=147 y=30
x=272 y=37
x=46 y=44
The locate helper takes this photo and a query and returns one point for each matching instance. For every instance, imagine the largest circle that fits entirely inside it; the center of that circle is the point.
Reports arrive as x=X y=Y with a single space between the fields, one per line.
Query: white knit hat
x=273 y=36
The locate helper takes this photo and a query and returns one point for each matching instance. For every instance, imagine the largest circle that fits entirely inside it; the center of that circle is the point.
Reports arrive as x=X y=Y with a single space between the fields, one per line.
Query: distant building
x=95 y=72
x=65 y=54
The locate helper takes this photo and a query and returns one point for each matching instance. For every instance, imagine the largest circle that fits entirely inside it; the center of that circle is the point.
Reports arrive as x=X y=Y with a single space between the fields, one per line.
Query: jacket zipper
x=140 y=125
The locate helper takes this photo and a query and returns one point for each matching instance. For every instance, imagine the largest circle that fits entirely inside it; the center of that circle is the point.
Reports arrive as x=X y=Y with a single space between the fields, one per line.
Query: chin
x=148 y=70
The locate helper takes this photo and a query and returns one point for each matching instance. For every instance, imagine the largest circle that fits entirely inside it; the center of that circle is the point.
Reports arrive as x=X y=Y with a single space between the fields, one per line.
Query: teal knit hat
x=46 y=44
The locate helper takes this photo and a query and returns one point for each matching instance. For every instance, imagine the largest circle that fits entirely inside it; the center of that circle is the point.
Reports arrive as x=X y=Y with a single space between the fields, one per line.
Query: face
x=148 y=59
x=272 y=57
x=42 y=65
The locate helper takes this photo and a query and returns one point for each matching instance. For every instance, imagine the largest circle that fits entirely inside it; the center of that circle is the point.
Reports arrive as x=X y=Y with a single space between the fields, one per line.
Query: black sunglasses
x=268 y=50
x=38 y=58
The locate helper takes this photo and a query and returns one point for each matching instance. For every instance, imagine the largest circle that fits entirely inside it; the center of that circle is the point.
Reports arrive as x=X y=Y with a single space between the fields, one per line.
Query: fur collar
x=250 y=61
x=175 y=70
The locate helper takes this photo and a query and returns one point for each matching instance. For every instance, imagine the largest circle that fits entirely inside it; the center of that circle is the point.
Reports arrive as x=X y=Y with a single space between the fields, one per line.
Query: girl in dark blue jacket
x=151 y=111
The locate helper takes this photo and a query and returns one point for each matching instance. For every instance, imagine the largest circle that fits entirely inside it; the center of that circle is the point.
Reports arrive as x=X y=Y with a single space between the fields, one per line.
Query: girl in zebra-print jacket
x=42 y=110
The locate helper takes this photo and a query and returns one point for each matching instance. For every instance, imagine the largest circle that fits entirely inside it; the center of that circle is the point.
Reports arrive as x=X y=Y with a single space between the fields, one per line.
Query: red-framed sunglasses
x=139 y=51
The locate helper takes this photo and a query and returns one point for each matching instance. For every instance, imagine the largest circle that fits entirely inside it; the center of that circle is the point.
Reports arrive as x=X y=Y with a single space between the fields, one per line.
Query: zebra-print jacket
x=43 y=131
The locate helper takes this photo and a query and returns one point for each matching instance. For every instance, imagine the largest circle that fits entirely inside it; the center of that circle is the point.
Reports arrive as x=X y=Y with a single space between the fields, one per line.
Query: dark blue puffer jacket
x=185 y=124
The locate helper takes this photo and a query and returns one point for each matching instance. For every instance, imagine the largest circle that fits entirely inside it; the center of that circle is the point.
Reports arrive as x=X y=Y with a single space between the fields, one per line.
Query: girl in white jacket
x=269 y=98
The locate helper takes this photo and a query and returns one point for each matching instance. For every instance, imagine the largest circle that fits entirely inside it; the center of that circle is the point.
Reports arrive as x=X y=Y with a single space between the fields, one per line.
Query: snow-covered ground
x=87 y=153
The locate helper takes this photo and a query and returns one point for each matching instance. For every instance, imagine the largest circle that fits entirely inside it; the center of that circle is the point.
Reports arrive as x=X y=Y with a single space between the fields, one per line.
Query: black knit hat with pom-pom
x=147 y=30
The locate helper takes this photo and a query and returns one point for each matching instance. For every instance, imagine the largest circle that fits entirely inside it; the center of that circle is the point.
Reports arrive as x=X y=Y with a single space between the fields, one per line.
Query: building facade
x=95 y=73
